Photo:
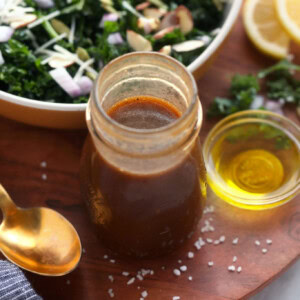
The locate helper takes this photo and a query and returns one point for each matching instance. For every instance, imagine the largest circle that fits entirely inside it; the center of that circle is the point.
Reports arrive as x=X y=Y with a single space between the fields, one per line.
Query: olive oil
x=252 y=161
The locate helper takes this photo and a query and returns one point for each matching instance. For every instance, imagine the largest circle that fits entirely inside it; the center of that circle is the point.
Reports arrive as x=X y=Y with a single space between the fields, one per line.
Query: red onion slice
x=6 y=33
x=66 y=82
x=44 y=3
x=274 y=106
x=115 y=38
x=108 y=17
x=85 y=84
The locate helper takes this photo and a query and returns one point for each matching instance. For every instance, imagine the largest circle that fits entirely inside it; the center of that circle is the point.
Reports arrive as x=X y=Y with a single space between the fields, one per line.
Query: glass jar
x=145 y=189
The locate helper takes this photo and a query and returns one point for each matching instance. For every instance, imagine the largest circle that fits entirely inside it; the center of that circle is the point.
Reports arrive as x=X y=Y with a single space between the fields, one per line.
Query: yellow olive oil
x=252 y=161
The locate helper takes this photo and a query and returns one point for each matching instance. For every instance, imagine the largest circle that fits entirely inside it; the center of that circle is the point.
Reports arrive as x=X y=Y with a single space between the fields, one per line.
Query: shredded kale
x=23 y=74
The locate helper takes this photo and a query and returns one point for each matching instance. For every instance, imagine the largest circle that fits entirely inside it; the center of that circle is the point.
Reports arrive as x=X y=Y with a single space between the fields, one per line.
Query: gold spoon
x=38 y=239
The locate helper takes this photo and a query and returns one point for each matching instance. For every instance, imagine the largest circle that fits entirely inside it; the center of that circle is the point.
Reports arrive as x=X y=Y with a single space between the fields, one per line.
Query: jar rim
x=158 y=130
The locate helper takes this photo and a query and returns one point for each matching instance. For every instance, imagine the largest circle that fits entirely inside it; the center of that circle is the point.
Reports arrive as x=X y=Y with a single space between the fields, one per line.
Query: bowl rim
x=210 y=138
x=43 y=105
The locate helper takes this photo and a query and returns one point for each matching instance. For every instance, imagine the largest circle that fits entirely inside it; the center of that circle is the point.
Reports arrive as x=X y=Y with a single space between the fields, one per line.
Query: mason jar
x=145 y=188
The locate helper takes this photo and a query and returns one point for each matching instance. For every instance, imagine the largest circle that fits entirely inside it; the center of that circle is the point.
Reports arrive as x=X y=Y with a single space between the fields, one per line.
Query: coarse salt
x=216 y=242
x=183 y=268
x=222 y=238
x=190 y=254
x=111 y=278
x=43 y=164
x=111 y=293
x=190 y=278
x=176 y=272
x=112 y=261
x=139 y=277
x=179 y=261
x=131 y=281
x=235 y=241
x=124 y=273
x=234 y=259
x=144 y=294
x=231 y=268
x=44 y=176
x=264 y=250
x=257 y=243
x=269 y=242
x=105 y=256
x=163 y=267
x=210 y=263
x=239 y=269
x=176 y=298
x=209 y=240
x=68 y=282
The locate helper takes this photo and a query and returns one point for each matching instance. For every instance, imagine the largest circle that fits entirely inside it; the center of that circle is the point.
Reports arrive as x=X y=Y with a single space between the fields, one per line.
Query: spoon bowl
x=39 y=240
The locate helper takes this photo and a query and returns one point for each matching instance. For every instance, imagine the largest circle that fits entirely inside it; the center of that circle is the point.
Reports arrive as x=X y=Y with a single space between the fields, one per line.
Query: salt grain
x=163 y=267
x=131 y=281
x=111 y=278
x=83 y=250
x=190 y=278
x=269 y=242
x=105 y=256
x=139 y=277
x=44 y=176
x=68 y=282
x=264 y=250
x=144 y=294
x=183 y=268
x=176 y=298
x=231 y=268
x=209 y=240
x=124 y=273
x=239 y=269
x=190 y=254
x=216 y=242
x=112 y=261
x=235 y=241
x=257 y=243
x=222 y=238
x=43 y=164
x=179 y=261
x=111 y=293
x=234 y=259
x=210 y=263
x=176 y=272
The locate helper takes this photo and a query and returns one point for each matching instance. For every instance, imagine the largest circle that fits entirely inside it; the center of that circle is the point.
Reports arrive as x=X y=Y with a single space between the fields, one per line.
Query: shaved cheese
x=44 y=18
x=51 y=42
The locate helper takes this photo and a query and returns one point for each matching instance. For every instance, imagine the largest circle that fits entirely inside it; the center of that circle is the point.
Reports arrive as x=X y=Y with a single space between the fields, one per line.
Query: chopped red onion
x=6 y=33
x=2 y=61
x=274 y=106
x=108 y=17
x=44 y=3
x=66 y=82
x=85 y=84
x=115 y=38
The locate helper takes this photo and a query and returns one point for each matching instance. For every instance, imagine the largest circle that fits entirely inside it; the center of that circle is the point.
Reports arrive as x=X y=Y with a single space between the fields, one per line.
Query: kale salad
x=51 y=50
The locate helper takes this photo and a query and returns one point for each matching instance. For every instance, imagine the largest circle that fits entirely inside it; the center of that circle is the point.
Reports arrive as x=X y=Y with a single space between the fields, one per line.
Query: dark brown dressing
x=143 y=214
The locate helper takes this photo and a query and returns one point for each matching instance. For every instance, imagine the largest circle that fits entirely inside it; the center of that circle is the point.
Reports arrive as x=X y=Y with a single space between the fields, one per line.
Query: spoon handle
x=7 y=206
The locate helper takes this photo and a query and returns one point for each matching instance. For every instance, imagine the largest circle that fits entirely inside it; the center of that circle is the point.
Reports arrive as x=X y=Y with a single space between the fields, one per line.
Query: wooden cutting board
x=23 y=148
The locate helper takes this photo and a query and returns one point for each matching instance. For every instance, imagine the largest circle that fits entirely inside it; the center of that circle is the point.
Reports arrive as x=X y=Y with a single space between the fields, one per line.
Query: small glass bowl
x=253 y=159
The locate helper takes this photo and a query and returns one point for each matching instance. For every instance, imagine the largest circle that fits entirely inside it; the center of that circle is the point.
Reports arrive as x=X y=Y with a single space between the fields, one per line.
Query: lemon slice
x=288 y=12
x=264 y=29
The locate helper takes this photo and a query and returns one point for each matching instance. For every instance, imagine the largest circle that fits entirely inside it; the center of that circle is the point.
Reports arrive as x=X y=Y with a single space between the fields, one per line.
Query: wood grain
x=23 y=148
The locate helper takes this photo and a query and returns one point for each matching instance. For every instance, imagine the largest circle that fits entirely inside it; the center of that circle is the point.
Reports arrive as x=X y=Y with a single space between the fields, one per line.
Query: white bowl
x=72 y=116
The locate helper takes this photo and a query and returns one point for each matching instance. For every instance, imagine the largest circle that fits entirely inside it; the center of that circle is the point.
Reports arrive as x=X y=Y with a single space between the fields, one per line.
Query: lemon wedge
x=264 y=29
x=288 y=12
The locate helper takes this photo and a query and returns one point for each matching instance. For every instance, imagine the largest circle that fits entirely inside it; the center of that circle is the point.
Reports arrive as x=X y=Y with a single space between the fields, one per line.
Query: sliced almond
x=58 y=61
x=188 y=46
x=23 y=21
x=148 y=25
x=166 y=50
x=154 y=12
x=142 y=5
x=186 y=22
x=137 y=42
x=170 y=19
x=163 y=32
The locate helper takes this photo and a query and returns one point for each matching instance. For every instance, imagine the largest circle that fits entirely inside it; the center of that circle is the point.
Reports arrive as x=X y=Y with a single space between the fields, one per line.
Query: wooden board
x=23 y=148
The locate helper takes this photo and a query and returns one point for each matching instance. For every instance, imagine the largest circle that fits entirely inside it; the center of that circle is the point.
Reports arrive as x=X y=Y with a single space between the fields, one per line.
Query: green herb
x=280 y=82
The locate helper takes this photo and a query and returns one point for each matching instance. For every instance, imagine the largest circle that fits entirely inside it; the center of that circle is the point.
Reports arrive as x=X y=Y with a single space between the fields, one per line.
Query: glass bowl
x=253 y=159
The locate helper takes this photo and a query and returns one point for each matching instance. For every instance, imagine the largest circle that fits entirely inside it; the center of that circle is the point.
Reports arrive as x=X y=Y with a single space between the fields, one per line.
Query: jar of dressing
x=142 y=171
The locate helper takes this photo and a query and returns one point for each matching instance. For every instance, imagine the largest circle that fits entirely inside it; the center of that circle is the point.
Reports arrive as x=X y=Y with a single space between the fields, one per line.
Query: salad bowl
x=72 y=115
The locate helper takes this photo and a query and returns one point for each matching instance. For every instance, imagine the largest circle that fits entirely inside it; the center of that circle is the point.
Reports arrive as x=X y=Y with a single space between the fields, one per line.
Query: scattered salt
x=112 y=261
x=235 y=241
x=257 y=243
x=111 y=278
x=139 y=277
x=269 y=242
x=124 y=273
x=231 y=268
x=239 y=269
x=131 y=281
x=209 y=240
x=176 y=272
x=163 y=267
x=234 y=259
x=111 y=293
x=210 y=263
x=43 y=164
x=190 y=278
x=190 y=254
x=222 y=239
x=264 y=250
x=83 y=250
x=68 y=282
x=183 y=268
x=44 y=176
x=179 y=261
x=105 y=256
x=144 y=294
x=216 y=242
x=176 y=298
